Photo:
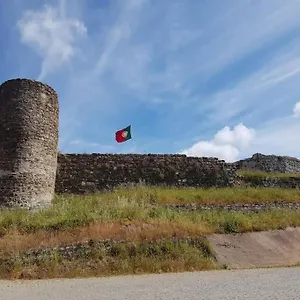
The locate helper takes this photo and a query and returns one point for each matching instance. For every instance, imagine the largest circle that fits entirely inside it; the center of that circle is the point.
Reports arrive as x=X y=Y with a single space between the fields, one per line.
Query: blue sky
x=205 y=78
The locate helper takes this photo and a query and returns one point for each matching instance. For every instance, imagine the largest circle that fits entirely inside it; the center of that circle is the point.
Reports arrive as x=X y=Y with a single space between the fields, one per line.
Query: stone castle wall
x=270 y=164
x=89 y=173
x=29 y=176
x=28 y=143
x=272 y=182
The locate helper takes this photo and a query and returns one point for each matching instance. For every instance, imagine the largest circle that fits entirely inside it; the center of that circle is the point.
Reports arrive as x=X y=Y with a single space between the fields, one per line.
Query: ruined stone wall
x=272 y=182
x=89 y=173
x=28 y=143
x=270 y=164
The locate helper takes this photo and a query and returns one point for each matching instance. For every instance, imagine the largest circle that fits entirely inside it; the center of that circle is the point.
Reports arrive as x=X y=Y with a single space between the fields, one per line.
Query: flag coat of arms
x=124 y=134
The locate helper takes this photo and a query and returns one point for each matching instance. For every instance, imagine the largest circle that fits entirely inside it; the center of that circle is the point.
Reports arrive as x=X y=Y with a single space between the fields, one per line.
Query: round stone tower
x=28 y=144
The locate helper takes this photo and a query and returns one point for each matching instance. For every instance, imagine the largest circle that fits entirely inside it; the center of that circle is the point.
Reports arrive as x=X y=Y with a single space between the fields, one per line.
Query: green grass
x=260 y=174
x=130 y=258
x=143 y=204
x=161 y=195
x=71 y=215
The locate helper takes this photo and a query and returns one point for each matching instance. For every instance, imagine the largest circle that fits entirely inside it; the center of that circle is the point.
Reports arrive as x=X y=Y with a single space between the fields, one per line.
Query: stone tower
x=28 y=144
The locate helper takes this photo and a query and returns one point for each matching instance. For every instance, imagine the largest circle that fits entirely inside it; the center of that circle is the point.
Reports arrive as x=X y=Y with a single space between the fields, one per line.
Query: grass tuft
x=130 y=258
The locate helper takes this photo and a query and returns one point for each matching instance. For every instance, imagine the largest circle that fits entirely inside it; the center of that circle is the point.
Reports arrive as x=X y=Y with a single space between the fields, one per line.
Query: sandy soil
x=258 y=249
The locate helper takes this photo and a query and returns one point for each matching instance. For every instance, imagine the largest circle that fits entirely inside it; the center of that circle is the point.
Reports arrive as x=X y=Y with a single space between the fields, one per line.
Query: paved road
x=273 y=284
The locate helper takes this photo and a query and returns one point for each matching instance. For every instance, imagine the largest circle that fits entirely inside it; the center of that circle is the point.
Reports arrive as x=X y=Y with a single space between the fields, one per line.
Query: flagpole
x=133 y=143
x=134 y=146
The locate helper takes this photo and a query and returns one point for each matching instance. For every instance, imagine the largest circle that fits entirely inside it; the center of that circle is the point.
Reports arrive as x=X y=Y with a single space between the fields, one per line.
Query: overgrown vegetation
x=260 y=174
x=134 y=215
x=137 y=213
x=130 y=258
x=209 y=196
x=161 y=224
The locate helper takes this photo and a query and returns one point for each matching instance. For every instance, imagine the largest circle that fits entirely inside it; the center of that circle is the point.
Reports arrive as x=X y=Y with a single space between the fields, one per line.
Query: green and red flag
x=124 y=134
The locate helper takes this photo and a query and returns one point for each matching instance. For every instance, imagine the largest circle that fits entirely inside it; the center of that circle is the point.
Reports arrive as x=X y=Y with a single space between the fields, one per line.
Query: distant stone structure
x=90 y=173
x=270 y=164
x=29 y=115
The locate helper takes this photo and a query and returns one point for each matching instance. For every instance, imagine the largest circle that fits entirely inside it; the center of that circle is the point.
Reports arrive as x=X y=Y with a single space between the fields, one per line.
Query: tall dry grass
x=135 y=215
x=142 y=204
x=133 y=258
x=76 y=220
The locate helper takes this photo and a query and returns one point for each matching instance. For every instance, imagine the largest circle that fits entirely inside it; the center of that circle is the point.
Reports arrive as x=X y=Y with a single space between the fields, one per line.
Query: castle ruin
x=31 y=171
x=29 y=116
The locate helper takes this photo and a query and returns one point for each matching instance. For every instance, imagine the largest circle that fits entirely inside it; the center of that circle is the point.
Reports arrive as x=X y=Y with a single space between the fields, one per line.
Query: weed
x=166 y=256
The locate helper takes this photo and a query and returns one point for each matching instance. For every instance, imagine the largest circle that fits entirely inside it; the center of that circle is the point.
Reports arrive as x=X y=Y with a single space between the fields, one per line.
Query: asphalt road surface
x=273 y=284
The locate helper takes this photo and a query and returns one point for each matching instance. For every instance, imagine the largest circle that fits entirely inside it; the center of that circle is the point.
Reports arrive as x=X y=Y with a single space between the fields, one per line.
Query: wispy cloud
x=75 y=145
x=175 y=70
x=120 y=31
x=52 y=35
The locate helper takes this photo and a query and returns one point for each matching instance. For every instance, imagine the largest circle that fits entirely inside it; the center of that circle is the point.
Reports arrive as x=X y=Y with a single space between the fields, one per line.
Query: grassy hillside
x=136 y=216
x=109 y=213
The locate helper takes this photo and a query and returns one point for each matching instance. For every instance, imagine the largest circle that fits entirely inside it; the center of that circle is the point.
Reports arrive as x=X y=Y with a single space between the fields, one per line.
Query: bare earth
x=258 y=249
x=258 y=284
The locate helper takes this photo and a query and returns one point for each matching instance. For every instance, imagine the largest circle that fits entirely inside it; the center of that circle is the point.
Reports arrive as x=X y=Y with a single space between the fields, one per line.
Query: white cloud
x=240 y=136
x=210 y=149
x=52 y=34
x=278 y=136
x=226 y=144
x=297 y=109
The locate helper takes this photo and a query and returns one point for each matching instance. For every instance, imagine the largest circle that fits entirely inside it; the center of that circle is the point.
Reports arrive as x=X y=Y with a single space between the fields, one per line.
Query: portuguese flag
x=124 y=134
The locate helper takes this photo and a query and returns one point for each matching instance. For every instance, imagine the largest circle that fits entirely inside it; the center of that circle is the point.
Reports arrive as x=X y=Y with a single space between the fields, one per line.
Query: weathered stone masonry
x=270 y=164
x=89 y=173
x=28 y=143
